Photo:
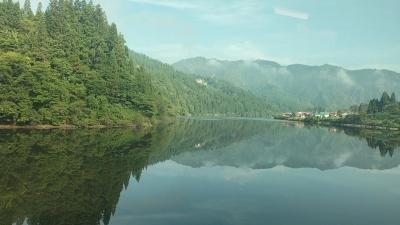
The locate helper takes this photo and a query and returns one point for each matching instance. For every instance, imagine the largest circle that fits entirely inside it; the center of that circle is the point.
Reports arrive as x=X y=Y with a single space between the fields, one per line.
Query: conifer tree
x=39 y=9
x=27 y=9
x=393 y=98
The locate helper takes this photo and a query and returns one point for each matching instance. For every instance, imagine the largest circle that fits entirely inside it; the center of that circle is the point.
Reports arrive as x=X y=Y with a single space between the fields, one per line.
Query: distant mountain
x=298 y=87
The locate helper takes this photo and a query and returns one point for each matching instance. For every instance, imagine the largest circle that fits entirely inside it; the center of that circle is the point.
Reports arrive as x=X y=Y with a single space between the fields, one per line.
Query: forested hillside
x=182 y=94
x=68 y=65
x=298 y=87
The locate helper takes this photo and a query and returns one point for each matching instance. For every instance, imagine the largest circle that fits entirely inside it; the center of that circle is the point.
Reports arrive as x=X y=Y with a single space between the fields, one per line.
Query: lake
x=196 y=171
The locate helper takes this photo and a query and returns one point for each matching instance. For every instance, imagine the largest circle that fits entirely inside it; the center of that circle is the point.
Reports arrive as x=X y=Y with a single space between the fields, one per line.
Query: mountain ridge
x=282 y=65
x=334 y=87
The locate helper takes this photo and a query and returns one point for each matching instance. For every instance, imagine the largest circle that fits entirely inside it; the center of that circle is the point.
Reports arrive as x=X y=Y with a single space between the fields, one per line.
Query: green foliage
x=378 y=113
x=393 y=98
x=67 y=66
x=379 y=106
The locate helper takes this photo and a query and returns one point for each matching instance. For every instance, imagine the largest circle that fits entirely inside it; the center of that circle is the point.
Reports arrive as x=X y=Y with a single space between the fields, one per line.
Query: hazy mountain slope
x=180 y=94
x=298 y=87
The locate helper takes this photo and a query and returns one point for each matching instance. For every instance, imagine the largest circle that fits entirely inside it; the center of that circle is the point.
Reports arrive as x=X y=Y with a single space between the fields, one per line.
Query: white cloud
x=216 y=11
x=234 y=13
x=393 y=67
x=213 y=62
x=340 y=161
x=345 y=78
x=291 y=13
x=248 y=51
x=244 y=50
x=170 y=53
x=167 y=3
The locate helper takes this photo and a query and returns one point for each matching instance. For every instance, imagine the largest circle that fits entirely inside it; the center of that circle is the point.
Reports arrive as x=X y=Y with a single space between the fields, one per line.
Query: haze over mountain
x=298 y=87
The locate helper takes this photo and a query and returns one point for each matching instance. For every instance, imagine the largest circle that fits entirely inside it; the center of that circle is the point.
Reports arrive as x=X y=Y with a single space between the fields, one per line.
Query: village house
x=333 y=114
x=201 y=82
x=322 y=115
x=300 y=115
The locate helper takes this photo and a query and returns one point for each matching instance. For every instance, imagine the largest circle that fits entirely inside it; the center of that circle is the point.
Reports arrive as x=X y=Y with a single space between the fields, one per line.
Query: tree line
x=386 y=103
x=383 y=112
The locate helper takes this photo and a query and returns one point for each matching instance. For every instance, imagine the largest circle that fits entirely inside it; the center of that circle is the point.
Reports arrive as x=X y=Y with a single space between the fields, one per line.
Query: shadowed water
x=200 y=172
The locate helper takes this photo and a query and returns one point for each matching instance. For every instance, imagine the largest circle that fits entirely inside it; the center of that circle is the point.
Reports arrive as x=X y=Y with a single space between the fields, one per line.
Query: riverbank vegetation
x=383 y=113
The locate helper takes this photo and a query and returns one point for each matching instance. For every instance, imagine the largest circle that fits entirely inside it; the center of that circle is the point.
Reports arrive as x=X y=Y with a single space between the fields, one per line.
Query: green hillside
x=68 y=65
x=178 y=93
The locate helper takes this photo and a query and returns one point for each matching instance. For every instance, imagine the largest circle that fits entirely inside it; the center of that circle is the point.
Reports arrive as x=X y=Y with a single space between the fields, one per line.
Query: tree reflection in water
x=69 y=177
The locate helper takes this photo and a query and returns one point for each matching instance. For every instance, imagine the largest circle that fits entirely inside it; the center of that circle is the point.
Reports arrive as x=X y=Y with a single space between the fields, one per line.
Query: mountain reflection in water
x=69 y=177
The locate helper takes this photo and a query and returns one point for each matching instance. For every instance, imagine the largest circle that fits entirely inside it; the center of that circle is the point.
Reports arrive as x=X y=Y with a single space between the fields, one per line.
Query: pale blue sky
x=350 y=33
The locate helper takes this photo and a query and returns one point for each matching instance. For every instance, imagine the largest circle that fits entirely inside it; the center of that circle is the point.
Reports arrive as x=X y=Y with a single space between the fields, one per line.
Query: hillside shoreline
x=336 y=124
x=134 y=126
x=71 y=127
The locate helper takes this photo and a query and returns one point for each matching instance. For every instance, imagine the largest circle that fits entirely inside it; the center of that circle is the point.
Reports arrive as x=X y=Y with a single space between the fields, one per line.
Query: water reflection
x=76 y=176
x=297 y=146
x=67 y=177
x=386 y=142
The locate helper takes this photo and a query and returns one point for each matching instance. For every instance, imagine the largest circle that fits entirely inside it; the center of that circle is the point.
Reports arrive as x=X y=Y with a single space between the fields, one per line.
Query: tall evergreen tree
x=39 y=9
x=385 y=100
x=373 y=106
x=393 y=98
x=27 y=9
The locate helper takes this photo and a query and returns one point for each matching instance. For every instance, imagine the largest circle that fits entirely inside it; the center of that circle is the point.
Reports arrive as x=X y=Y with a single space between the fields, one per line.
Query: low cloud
x=169 y=4
x=215 y=11
x=173 y=52
x=245 y=50
x=345 y=78
x=291 y=13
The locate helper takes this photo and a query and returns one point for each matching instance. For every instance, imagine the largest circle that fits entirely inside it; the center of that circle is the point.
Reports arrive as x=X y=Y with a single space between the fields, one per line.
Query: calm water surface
x=201 y=172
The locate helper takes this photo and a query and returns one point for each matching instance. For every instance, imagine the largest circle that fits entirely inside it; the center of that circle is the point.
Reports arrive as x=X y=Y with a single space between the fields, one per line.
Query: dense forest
x=67 y=65
x=287 y=87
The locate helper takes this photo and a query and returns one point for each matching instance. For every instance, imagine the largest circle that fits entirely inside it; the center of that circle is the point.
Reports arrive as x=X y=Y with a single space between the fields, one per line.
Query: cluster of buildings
x=201 y=82
x=321 y=115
